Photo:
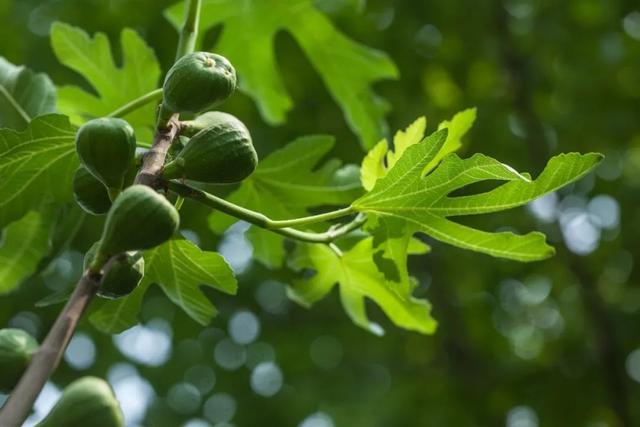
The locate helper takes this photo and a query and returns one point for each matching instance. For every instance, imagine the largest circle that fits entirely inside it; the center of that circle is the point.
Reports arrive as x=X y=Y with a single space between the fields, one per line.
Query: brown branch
x=153 y=161
x=46 y=359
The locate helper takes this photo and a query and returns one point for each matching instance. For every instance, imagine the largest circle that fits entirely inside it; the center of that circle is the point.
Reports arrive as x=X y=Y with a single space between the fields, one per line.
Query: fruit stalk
x=278 y=227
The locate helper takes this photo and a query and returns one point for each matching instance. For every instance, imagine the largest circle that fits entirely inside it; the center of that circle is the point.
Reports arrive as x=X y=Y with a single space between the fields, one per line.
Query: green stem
x=260 y=220
x=312 y=219
x=137 y=103
x=189 y=30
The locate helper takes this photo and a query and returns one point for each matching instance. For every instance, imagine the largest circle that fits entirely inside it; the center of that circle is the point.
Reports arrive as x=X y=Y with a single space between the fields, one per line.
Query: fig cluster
x=219 y=149
x=212 y=147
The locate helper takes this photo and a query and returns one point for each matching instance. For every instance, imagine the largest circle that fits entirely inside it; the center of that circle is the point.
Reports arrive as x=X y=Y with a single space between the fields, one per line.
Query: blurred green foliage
x=548 y=343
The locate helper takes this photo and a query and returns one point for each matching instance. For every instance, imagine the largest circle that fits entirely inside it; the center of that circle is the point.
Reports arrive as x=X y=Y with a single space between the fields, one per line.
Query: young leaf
x=39 y=160
x=381 y=158
x=179 y=267
x=285 y=185
x=422 y=203
x=359 y=278
x=116 y=86
x=24 y=243
x=457 y=127
x=347 y=68
x=23 y=95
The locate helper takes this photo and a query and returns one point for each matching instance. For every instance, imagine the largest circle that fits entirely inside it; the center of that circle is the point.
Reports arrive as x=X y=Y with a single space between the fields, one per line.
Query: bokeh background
x=553 y=343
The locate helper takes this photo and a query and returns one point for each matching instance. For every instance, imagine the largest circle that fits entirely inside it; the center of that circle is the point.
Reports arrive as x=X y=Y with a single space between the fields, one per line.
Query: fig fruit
x=106 y=147
x=220 y=153
x=139 y=218
x=16 y=349
x=124 y=274
x=198 y=81
x=88 y=401
x=90 y=193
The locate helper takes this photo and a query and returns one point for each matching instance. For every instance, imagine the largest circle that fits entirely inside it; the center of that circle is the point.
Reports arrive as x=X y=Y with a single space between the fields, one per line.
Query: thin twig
x=250 y=216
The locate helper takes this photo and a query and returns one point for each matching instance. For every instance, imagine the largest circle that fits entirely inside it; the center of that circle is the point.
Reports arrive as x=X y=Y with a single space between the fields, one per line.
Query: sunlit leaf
x=382 y=157
x=422 y=203
x=359 y=279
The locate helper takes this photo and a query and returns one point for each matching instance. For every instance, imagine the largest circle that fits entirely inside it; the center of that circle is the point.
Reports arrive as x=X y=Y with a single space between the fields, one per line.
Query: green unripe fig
x=90 y=193
x=221 y=153
x=16 y=349
x=88 y=401
x=139 y=219
x=198 y=81
x=106 y=147
x=124 y=274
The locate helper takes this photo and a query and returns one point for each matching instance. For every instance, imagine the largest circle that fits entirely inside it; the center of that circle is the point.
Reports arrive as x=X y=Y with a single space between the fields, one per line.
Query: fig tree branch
x=153 y=160
x=262 y=221
x=17 y=408
x=46 y=359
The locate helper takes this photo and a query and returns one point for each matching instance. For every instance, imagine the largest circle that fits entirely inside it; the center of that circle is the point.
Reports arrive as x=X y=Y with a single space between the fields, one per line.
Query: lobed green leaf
x=423 y=202
x=179 y=267
x=359 y=278
x=114 y=85
x=347 y=68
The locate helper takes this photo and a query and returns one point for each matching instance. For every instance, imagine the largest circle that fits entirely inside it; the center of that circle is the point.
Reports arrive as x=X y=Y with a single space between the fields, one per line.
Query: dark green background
x=547 y=76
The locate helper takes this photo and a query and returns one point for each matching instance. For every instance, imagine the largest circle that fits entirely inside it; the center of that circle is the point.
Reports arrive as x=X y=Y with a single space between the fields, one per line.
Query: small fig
x=88 y=401
x=16 y=349
x=139 y=218
x=106 y=148
x=198 y=81
x=220 y=153
x=124 y=274
x=90 y=193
